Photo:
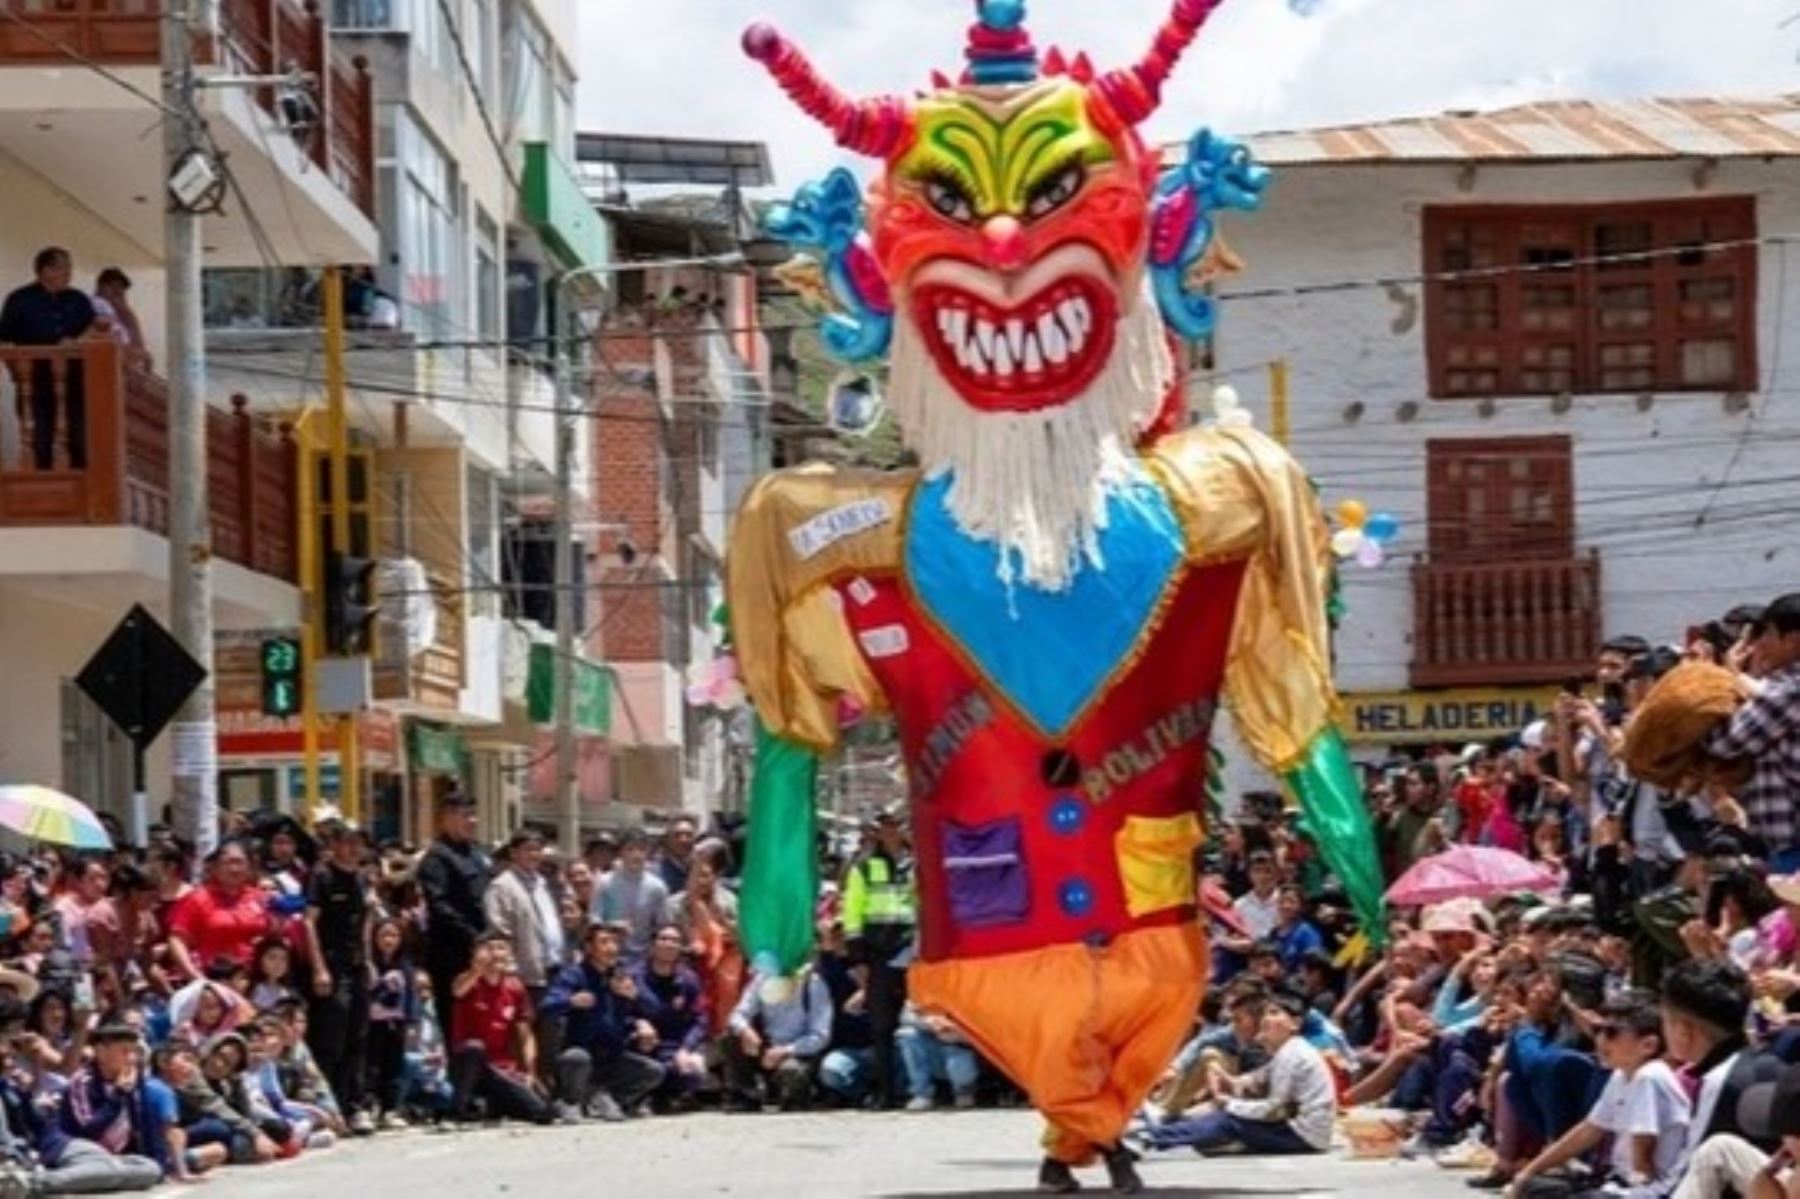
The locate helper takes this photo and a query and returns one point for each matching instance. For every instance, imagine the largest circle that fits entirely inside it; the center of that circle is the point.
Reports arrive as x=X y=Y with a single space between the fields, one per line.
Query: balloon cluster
x=1363 y=535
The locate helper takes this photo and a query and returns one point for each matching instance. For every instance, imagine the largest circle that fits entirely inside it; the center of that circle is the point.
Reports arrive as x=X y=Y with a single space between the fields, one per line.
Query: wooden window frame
x=1447 y=535
x=1664 y=273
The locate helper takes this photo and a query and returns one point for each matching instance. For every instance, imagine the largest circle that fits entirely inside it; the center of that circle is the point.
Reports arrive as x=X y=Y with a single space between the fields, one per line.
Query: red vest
x=1021 y=841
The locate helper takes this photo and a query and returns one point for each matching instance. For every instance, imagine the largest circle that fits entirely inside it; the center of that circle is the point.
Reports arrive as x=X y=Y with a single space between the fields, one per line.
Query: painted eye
x=949 y=200
x=1053 y=192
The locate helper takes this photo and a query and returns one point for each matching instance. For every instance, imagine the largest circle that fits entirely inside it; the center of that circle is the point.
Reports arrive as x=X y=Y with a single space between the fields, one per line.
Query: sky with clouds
x=673 y=67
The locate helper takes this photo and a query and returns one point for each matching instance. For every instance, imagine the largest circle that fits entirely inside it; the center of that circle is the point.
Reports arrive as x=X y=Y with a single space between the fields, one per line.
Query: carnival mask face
x=1013 y=231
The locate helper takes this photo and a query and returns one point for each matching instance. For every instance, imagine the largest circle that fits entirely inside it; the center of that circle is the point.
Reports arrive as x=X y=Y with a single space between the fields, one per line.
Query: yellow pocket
x=1156 y=861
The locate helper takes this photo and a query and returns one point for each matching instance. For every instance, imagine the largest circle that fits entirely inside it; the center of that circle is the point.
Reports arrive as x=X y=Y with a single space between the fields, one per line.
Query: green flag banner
x=1330 y=794
x=437 y=750
x=781 y=864
x=593 y=692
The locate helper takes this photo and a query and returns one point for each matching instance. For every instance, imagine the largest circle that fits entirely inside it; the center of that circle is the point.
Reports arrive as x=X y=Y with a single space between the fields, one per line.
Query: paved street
x=836 y=1155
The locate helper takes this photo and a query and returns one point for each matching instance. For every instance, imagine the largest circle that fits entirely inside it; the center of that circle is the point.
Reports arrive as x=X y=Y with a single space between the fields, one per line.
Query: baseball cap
x=1768 y=1111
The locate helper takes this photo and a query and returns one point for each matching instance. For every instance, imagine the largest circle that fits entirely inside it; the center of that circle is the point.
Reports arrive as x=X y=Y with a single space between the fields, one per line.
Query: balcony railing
x=1504 y=622
x=260 y=37
x=110 y=464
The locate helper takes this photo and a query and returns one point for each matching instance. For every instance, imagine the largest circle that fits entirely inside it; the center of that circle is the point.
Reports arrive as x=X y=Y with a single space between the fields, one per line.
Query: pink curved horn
x=872 y=127
x=1135 y=91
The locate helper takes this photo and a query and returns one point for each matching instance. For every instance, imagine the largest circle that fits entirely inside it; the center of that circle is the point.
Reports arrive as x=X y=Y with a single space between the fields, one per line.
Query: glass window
x=478 y=43
x=487 y=280
x=484 y=552
x=427 y=234
x=431 y=34
x=364 y=14
x=1607 y=298
x=530 y=88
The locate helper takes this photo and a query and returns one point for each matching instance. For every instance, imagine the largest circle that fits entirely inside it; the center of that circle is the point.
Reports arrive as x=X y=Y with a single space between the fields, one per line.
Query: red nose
x=1004 y=240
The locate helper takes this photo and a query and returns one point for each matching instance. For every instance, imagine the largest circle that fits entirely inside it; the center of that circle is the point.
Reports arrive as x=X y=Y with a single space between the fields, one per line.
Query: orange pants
x=1086 y=1031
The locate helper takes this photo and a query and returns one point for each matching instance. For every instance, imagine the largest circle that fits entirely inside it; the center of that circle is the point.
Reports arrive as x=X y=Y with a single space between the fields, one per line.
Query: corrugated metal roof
x=1558 y=130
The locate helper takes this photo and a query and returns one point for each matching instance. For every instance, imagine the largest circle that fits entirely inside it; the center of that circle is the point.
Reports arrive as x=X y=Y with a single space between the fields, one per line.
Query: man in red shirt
x=222 y=918
x=493 y=1054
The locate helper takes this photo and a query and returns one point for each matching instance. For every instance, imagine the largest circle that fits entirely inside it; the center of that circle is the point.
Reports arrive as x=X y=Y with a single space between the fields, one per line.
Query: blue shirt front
x=1296 y=941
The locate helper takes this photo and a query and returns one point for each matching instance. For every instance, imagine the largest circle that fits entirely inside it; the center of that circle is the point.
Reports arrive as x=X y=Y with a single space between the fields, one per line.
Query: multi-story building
x=450 y=393
x=82 y=529
x=680 y=399
x=1550 y=340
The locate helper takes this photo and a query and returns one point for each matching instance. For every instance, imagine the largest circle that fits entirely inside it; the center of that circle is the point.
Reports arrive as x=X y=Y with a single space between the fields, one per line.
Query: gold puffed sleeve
x=798 y=532
x=1240 y=494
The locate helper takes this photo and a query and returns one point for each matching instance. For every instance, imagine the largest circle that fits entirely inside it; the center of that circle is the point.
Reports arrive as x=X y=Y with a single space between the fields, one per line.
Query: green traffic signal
x=281 y=677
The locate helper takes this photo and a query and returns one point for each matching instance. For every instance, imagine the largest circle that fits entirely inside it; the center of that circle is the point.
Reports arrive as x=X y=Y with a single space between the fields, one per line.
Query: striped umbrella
x=46 y=815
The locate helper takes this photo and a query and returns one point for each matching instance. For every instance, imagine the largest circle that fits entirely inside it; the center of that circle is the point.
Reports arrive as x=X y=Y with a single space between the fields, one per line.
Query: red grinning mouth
x=1040 y=353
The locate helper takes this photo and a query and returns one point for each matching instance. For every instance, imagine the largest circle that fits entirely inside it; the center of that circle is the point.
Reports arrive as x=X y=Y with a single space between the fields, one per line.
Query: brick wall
x=628 y=456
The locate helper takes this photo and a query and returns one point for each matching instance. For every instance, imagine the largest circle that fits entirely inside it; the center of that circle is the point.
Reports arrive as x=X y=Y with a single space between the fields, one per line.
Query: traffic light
x=350 y=605
x=281 y=678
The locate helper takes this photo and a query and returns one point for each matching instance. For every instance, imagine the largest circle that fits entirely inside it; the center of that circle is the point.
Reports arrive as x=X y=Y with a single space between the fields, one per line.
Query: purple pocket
x=985 y=865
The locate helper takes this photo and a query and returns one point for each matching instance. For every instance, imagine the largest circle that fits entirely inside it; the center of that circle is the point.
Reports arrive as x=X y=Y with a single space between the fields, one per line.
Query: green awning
x=555 y=204
x=593 y=692
x=433 y=749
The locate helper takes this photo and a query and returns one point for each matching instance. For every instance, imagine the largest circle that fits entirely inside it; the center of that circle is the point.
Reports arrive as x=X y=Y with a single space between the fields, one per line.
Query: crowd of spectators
x=1632 y=1030
x=312 y=986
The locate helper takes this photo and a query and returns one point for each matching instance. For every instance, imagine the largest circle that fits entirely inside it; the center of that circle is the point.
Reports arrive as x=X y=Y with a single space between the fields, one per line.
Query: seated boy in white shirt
x=1643 y=1109
x=1285 y=1107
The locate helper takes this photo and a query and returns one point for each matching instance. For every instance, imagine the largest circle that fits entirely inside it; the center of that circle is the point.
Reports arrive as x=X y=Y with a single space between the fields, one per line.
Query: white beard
x=1035 y=483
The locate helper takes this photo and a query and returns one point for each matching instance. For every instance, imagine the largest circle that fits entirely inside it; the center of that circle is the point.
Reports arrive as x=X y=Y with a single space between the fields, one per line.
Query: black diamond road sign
x=141 y=676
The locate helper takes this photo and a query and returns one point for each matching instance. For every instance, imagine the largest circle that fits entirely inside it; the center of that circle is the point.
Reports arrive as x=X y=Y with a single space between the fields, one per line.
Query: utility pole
x=194 y=743
x=568 y=780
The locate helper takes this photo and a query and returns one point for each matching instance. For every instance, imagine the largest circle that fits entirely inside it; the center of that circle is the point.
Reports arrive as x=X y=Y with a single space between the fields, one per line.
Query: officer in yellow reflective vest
x=879 y=912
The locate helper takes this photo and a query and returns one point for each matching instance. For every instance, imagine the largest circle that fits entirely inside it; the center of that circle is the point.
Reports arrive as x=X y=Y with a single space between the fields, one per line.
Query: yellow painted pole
x=349 y=765
x=307 y=501
x=1279 y=428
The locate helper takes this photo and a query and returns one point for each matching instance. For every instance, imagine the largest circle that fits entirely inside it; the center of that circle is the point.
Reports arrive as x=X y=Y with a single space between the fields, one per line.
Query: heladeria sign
x=1420 y=717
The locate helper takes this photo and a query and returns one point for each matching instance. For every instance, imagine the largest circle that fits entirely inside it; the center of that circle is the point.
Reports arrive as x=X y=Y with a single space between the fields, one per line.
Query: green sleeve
x=781 y=865
x=1326 y=784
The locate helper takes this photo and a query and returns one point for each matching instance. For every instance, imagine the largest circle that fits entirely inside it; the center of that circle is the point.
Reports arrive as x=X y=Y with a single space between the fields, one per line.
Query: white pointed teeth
x=1050 y=336
x=1015 y=338
x=1045 y=340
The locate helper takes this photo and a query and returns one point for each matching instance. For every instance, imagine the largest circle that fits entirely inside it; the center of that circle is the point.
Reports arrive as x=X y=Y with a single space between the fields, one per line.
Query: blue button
x=1075 y=897
x=1067 y=816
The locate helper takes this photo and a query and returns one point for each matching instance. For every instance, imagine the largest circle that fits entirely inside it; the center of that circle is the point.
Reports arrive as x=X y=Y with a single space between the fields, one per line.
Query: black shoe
x=1121 y=1171
x=1055 y=1178
x=1493 y=1180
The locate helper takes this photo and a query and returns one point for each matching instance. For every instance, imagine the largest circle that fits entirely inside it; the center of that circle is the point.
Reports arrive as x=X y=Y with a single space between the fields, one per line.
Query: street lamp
x=567 y=791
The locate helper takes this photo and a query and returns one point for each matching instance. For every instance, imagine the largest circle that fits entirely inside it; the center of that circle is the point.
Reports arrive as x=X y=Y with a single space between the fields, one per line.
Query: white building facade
x=1555 y=343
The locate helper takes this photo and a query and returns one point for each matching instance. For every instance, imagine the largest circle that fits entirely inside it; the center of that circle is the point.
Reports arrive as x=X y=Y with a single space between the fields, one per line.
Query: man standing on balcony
x=49 y=312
